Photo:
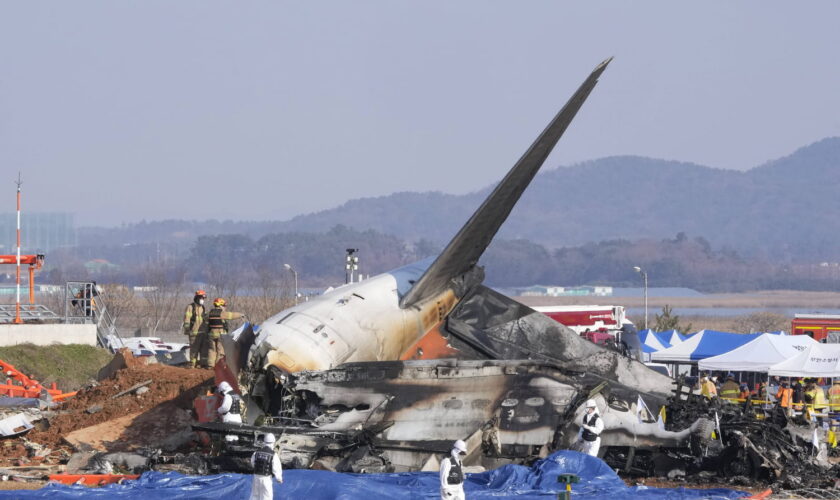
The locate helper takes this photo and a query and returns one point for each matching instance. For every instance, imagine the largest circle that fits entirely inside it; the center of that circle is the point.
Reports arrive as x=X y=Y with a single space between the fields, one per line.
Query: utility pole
x=17 y=295
x=290 y=268
x=645 y=278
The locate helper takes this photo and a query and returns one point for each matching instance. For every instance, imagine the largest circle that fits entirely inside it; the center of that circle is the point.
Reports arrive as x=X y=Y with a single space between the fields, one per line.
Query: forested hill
x=785 y=209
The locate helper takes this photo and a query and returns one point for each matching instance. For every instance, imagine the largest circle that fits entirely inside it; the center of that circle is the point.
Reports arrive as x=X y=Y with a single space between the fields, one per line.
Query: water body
x=656 y=292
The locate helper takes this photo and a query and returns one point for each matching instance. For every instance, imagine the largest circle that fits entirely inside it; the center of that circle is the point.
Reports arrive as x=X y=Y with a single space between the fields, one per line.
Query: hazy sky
x=129 y=110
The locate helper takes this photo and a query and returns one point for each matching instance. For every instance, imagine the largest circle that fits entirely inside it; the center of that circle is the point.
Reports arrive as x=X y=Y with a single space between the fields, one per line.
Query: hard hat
x=460 y=446
x=219 y=302
x=269 y=438
x=224 y=387
x=590 y=403
x=201 y=293
x=730 y=375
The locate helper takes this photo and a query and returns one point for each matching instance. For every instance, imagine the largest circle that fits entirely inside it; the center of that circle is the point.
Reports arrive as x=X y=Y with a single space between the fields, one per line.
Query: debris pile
x=138 y=406
x=749 y=447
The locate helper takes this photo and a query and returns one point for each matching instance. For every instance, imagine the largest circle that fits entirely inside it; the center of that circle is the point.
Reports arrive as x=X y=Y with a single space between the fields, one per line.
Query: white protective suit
x=591 y=447
x=450 y=491
x=261 y=486
x=227 y=417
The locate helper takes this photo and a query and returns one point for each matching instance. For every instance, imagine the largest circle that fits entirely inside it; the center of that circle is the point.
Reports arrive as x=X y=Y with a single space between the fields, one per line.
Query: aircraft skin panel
x=465 y=249
x=356 y=322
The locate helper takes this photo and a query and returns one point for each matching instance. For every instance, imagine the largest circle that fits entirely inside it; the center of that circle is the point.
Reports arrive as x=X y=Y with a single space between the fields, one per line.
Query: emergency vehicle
x=598 y=324
x=823 y=328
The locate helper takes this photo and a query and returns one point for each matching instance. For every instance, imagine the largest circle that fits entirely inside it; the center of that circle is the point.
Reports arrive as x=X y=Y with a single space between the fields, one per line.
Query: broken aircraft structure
x=384 y=374
x=366 y=356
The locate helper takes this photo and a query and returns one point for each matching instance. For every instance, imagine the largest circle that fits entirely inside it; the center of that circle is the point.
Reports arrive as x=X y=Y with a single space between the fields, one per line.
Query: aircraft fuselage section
x=355 y=322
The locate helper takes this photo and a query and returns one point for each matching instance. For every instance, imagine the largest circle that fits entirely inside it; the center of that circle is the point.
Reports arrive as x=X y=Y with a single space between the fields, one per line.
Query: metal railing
x=28 y=313
x=85 y=303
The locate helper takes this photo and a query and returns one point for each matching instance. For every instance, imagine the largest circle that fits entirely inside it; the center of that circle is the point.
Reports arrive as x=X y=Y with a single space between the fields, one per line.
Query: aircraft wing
x=465 y=249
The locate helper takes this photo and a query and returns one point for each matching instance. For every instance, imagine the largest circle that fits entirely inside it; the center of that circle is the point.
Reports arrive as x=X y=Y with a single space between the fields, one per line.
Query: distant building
x=566 y=291
x=100 y=266
x=39 y=233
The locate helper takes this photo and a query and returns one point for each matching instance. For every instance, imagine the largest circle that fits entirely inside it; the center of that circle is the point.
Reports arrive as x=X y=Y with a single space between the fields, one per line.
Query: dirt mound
x=172 y=389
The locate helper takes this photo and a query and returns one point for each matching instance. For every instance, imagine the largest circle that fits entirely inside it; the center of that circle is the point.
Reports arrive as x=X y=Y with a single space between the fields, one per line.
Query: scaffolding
x=85 y=303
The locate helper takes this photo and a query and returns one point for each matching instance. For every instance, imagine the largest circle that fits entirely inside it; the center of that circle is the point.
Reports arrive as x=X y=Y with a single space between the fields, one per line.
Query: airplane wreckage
x=382 y=375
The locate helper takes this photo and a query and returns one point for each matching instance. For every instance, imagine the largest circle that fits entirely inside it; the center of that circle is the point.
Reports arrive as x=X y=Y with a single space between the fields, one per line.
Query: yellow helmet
x=219 y=302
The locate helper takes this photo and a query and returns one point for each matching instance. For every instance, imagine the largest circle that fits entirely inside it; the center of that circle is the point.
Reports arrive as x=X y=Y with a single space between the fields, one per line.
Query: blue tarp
x=597 y=480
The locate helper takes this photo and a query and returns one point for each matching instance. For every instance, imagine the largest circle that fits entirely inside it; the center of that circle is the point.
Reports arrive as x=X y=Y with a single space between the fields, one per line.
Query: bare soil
x=665 y=483
x=123 y=423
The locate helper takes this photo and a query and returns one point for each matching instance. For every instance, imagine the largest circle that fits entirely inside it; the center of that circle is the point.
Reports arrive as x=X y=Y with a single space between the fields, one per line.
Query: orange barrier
x=760 y=496
x=19 y=385
x=91 y=479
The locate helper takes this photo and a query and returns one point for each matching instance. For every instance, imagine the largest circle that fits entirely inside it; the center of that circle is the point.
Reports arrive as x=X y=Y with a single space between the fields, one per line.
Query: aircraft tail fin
x=465 y=249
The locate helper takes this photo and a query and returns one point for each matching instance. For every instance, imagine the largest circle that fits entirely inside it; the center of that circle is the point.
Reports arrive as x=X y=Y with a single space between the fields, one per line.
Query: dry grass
x=769 y=300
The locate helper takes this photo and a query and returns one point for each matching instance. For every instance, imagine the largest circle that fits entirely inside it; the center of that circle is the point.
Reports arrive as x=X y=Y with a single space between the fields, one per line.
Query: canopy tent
x=817 y=360
x=759 y=354
x=703 y=344
x=651 y=341
x=672 y=337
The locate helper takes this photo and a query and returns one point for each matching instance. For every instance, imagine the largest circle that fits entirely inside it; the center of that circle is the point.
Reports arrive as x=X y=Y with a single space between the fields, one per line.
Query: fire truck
x=823 y=328
x=598 y=324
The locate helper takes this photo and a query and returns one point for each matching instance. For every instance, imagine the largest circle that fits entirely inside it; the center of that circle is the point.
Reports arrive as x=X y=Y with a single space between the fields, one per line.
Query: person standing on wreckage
x=452 y=473
x=266 y=466
x=217 y=325
x=592 y=425
x=231 y=408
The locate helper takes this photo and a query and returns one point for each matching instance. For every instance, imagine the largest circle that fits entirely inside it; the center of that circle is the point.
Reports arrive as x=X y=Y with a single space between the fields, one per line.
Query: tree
x=764 y=321
x=163 y=286
x=669 y=321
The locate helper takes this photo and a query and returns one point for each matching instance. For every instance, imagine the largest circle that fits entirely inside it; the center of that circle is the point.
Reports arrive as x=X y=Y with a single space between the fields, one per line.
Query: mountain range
x=786 y=209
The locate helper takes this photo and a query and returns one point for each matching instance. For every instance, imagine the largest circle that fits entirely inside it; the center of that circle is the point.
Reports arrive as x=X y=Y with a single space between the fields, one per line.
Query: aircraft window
x=453 y=404
x=319 y=328
x=480 y=404
x=534 y=401
x=510 y=402
x=284 y=318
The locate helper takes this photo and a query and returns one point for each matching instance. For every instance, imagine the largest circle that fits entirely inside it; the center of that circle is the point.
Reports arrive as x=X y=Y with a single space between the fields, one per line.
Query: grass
x=70 y=366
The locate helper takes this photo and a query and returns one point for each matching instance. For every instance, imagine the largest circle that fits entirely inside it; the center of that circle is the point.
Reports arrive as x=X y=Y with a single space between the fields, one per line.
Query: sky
x=203 y=109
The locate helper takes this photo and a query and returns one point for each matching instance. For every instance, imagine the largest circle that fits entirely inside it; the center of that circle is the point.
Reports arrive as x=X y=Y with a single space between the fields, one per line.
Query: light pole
x=290 y=268
x=351 y=264
x=644 y=276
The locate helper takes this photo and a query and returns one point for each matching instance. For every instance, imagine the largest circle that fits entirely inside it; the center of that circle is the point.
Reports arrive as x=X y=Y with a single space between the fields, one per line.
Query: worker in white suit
x=266 y=466
x=452 y=473
x=231 y=408
x=589 y=436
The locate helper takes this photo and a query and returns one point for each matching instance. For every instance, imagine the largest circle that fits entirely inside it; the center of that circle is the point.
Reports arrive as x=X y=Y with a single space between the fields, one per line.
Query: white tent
x=818 y=360
x=651 y=340
x=758 y=355
x=673 y=337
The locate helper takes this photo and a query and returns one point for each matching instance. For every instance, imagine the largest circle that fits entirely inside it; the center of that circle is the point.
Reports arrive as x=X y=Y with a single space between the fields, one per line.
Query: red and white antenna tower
x=17 y=299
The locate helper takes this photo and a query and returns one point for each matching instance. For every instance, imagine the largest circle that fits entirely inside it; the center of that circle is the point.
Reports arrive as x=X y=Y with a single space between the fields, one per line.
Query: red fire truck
x=820 y=327
x=599 y=324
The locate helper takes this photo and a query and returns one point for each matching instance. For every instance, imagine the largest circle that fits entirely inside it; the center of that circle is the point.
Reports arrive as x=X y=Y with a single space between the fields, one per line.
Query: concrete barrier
x=47 y=334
